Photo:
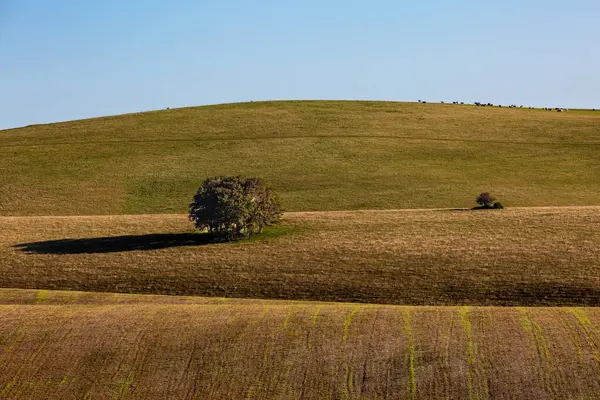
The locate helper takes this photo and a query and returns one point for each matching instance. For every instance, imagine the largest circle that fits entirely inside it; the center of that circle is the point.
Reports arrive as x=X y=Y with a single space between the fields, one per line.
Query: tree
x=234 y=206
x=485 y=200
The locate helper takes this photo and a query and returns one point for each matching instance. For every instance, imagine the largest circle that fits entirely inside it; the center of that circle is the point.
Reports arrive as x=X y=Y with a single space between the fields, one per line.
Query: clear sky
x=70 y=59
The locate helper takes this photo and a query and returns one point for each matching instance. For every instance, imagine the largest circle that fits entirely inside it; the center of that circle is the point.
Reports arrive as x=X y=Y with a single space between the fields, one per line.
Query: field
x=380 y=283
x=319 y=155
x=525 y=256
x=106 y=346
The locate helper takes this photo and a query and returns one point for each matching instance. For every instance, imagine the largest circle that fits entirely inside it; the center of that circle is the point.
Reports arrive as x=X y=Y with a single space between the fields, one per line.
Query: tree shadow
x=116 y=244
x=478 y=208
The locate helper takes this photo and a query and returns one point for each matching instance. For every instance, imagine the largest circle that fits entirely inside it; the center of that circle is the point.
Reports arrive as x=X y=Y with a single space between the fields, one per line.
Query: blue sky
x=70 y=59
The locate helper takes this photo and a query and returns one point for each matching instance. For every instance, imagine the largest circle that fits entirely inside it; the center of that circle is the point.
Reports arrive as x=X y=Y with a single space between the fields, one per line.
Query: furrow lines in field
x=10 y=340
x=6 y=389
x=314 y=325
x=99 y=314
x=573 y=327
x=368 y=356
x=310 y=332
x=476 y=381
x=345 y=366
x=132 y=353
x=282 y=372
x=348 y=321
x=443 y=359
x=589 y=335
x=547 y=368
x=230 y=383
x=269 y=352
x=408 y=333
x=226 y=343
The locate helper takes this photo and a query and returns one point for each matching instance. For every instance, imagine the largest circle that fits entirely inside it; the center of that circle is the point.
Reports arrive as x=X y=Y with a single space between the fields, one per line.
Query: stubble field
x=59 y=345
x=519 y=256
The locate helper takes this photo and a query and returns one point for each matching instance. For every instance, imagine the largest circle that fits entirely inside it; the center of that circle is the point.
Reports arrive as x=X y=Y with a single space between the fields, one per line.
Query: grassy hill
x=528 y=256
x=320 y=155
x=60 y=345
x=263 y=328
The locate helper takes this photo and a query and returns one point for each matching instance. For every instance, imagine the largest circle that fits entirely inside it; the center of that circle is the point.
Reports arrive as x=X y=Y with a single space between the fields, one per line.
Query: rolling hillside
x=528 y=256
x=320 y=155
x=59 y=345
x=379 y=284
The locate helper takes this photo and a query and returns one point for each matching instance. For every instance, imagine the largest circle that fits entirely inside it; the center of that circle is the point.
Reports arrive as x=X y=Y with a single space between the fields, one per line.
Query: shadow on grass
x=115 y=244
x=470 y=209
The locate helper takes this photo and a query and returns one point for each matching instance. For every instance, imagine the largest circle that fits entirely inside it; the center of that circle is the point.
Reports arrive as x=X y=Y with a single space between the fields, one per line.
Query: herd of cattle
x=478 y=104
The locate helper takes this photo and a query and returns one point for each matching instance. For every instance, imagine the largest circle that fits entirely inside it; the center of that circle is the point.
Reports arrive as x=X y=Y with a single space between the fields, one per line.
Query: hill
x=517 y=256
x=265 y=325
x=58 y=345
x=320 y=155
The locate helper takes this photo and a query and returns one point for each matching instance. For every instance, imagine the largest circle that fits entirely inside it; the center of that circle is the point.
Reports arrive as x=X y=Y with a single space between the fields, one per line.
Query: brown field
x=69 y=345
x=518 y=256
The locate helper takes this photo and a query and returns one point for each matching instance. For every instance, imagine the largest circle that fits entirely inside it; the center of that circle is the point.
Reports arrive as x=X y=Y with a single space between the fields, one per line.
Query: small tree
x=234 y=206
x=485 y=200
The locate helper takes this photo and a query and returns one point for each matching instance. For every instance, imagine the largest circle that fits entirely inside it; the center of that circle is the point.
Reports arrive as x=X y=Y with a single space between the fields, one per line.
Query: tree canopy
x=234 y=206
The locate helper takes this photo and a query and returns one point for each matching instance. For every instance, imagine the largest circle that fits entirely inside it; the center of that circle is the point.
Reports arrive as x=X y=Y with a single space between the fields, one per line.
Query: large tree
x=234 y=206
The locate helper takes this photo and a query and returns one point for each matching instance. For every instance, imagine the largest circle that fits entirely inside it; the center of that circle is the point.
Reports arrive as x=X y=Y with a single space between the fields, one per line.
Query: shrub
x=233 y=207
x=498 y=205
x=485 y=200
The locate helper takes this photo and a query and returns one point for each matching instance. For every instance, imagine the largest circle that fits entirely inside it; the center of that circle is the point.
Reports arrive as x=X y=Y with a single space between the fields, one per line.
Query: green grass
x=272 y=232
x=320 y=155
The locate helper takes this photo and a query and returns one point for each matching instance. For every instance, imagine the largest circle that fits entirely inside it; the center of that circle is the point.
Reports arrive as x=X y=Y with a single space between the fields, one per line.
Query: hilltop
x=320 y=155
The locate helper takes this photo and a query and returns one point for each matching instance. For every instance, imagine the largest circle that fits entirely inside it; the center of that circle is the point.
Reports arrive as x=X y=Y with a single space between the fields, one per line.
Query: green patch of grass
x=41 y=296
x=272 y=232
